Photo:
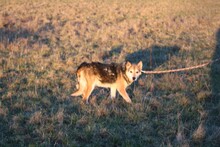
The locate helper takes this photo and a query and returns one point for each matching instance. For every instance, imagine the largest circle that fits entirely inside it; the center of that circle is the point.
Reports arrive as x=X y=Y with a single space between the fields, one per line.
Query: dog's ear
x=140 y=65
x=127 y=64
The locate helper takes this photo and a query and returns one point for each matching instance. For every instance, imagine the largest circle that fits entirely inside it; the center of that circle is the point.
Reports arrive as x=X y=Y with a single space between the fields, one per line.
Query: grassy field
x=43 y=42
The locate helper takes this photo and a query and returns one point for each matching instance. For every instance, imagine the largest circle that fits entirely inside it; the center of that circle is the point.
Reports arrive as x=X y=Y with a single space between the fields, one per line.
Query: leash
x=180 y=69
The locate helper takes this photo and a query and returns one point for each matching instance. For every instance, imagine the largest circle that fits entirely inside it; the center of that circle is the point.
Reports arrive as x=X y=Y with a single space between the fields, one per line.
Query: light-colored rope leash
x=180 y=69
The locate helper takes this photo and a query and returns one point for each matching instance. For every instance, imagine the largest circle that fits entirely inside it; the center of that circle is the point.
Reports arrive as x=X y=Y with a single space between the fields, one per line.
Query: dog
x=117 y=77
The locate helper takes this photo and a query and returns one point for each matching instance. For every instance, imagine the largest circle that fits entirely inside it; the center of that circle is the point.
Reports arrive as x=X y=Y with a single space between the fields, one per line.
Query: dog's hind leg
x=77 y=93
x=80 y=86
x=87 y=93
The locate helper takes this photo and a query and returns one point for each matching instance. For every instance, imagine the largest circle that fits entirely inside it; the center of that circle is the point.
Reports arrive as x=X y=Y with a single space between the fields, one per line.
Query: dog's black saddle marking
x=106 y=72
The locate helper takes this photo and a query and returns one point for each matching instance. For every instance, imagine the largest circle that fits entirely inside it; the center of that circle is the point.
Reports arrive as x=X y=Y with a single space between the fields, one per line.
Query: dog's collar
x=126 y=79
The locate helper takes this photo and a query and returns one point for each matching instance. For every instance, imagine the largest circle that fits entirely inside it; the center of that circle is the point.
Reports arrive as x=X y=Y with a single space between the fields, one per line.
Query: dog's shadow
x=153 y=57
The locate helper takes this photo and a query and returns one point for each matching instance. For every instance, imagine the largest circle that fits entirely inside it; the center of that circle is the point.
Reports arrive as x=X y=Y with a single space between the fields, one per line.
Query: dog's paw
x=129 y=101
x=73 y=95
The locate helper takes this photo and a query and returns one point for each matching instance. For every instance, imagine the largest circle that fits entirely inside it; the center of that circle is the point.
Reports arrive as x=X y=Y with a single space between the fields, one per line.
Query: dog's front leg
x=113 y=92
x=124 y=94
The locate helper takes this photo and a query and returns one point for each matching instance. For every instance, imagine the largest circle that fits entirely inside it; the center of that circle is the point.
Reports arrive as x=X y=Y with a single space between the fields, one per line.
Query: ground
x=42 y=42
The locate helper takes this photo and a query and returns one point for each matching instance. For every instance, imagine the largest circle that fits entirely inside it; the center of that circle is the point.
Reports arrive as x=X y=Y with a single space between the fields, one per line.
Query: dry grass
x=43 y=42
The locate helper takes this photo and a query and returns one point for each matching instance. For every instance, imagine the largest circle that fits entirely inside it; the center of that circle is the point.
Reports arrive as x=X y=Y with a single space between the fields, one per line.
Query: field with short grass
x=42 y=42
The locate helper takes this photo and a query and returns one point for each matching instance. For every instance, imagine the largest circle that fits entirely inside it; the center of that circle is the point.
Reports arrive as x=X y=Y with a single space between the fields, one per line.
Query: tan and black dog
x=114 y=76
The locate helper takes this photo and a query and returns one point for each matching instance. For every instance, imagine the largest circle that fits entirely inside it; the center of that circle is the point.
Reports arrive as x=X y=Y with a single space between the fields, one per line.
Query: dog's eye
x=131 y=71
x=137 y=71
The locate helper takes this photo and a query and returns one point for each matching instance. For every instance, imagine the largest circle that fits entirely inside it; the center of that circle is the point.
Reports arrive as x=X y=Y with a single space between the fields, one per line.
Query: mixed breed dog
x=117 y=77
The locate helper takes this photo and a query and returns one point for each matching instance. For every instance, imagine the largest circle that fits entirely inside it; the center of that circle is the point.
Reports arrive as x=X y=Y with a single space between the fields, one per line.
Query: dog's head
x=133 y=71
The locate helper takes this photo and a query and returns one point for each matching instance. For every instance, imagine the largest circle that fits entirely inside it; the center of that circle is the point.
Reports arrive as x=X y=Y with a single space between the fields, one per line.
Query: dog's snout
x=134 y=78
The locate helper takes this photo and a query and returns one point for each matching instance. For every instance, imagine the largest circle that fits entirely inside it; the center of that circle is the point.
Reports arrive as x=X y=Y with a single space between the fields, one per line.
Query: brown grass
x=42 y=43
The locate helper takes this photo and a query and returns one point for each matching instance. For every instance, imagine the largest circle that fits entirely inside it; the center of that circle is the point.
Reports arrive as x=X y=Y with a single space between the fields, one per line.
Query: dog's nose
x=134 y=78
